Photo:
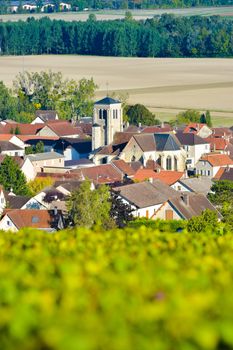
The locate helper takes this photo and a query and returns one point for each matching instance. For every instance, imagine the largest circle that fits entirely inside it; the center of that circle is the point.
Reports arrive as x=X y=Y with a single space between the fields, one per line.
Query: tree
x=140 y=114
x=120 y=212
x=38 y=184
x=8 y=103
x=221 y=196
x=48 y=89
x=87 y=207
x=207 y=221
x=203 y=118
x=11 y=177
x=39 y=147
x=188 y=116
x=208 y=119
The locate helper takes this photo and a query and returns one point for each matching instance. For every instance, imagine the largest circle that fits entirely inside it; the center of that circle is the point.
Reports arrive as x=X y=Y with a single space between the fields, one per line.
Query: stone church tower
x=107 y=120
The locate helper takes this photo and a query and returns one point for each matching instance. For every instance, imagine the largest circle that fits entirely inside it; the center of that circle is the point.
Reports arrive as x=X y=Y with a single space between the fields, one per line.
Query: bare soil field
x=166 y=86
x=118 y=14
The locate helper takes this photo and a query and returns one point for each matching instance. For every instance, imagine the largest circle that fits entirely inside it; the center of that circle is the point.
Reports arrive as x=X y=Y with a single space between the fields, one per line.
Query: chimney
x=151 y=180
x=185 y=198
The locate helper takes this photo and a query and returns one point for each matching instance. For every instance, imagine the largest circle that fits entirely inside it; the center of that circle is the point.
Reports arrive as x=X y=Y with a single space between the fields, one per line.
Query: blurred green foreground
x=132 y=289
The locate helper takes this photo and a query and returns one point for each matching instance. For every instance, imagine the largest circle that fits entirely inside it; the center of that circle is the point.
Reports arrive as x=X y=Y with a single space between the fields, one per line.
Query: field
x=134 y=289
x=118 y=14
x=166 y=86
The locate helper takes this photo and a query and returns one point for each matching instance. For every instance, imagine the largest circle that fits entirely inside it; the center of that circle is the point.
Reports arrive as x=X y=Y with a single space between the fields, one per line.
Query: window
x=147 y=214
x=169 y=214
x=8 y=223
x=159 y=160
x=35 y=219
x=179 y=188
x=100 y=114
x=208 y=172
x=175 y=163
x=169 y=163
x=116 y=113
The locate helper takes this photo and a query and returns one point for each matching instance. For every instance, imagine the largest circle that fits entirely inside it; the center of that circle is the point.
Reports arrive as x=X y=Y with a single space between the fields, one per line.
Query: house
x=10 y=149
x=163 y=148
x=145 y=198
x=100 y=174
x=48 y=141
x=224 y=173
x=218 y=144
x=47 y=159
x=73 y=148
x=209 y=164
x=198 y=129
x=166 y=176
x=16 y=219
x=44 y=116
x=195 y=147
x=184 y=207
x=60 y=129
x=194 y=184
x=29 y=7
x=77 y=164
x=222 y=132
x=66 y=187
x=124 y=167
x=64 y=6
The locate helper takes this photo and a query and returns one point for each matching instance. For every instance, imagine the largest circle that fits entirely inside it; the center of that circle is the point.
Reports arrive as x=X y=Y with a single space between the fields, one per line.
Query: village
x=162 y=172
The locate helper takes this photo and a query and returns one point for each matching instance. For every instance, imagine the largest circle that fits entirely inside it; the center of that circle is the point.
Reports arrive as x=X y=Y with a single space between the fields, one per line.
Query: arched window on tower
x=169 y=163
x=116 y=113
x=100 y=114
x=175 y=163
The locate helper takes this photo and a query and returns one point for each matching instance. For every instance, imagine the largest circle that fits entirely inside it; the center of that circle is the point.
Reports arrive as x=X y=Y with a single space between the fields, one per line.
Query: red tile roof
x=154 y=129
x=25 y=129
x=30 y=218
x=217 y=159
x=124 y=167
x=217 y=143
x=193 y=128
x=167 y=177
x=25 y=138
x=64 y=128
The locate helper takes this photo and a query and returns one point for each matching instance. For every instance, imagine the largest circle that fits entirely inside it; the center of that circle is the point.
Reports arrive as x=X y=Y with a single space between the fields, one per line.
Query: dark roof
x=15 y=202
x=78 y=162
x=46 y=115
x=8 y=146
x=198 y=185
x=166 y=142
x=107 y=101
x=190 y=139
x=194 y=206
x=224 y=174
x=69 y=186
x=146 y=194
x=80 y=145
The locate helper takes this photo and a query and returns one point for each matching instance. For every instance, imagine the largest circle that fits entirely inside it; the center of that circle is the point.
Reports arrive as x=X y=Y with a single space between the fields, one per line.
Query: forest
x=165 y=36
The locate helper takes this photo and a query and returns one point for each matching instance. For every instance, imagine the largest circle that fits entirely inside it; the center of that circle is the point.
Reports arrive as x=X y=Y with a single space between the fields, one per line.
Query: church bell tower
x=107 y=120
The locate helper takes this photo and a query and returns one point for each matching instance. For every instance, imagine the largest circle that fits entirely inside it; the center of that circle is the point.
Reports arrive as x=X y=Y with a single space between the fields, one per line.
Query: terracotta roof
x=30 y=218
x=167 y=177
x=64 y=128
x=6 y=137
x=155 y=129
x=85 y=127
x=146 y=142
x=25 y=129
x=122 y=137
x=124 y=167
x=217 y=143
x=146 y=194
x=193 y=127
x=136 y=165
x=217 y=159
x=106 y=173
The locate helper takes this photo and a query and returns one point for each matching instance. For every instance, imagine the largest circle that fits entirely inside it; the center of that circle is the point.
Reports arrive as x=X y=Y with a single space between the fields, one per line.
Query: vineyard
x=132 y=289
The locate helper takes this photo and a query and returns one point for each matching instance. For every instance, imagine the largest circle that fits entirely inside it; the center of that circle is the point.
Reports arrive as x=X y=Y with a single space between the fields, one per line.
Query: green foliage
x=188 y=116
x=120 y=212
x=38 y=148
x=222 y=197
x=69 y=98
x=164 y=36
x=140 y=114
x=132 y=289
x=161 y=225
x=208 y=119
x=87 y=207
x=11 y=177
x=206 y=222
x=8 y=104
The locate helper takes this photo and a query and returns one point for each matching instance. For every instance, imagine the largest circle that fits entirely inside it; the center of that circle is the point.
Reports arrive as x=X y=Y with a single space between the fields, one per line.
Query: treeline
x=167 y=36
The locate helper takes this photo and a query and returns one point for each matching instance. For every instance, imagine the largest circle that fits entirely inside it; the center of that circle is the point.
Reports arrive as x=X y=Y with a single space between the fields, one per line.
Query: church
x=107 y=120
